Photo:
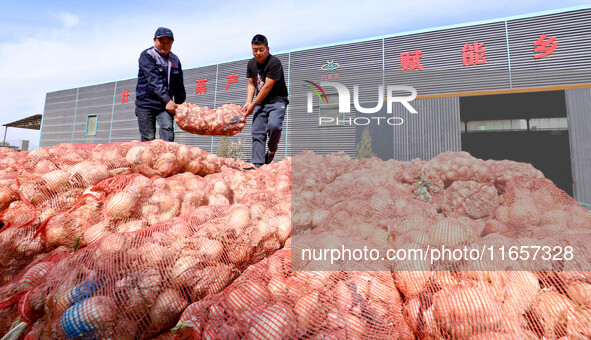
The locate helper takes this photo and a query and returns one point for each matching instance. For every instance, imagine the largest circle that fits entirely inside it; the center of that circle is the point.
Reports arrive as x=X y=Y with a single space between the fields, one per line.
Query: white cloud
x=69 y=20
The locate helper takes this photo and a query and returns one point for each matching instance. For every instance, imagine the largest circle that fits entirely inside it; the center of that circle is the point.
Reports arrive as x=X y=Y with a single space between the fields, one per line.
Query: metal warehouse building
x=517 y=88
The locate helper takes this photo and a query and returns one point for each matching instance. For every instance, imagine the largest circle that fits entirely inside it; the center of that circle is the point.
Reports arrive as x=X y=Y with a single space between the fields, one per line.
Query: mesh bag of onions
x=162 y=240
x=226 y=120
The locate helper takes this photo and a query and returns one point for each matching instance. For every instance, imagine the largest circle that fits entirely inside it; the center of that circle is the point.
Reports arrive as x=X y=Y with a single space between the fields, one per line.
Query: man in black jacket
x=160 y=87
x=267 y=81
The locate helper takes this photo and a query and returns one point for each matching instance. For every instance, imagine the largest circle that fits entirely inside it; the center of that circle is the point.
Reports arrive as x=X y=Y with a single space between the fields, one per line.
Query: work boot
x=256 y=166
x=269 y=157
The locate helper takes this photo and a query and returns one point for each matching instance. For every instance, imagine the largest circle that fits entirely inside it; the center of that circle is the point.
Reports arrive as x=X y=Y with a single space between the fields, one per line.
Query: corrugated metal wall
x=568 y=64
x=124 y=125
x=94 y=100
x=510 y=64
x=442 y=61
x=433 y=130
x=58 y=117
x=359 y=64
x=578 y=105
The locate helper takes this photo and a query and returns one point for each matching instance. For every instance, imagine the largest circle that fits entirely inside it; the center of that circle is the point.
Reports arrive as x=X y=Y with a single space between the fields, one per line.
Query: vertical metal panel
x=58 y=117
x=568 y=64
x=94 y=100
x=433 y=130
x=125 y=127
x=359 y=64
x=578 y=106
x=442 y=61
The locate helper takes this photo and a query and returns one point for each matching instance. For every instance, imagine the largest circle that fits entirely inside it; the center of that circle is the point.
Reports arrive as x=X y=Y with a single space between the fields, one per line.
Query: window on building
x=548 y=124
x=91 y=121
x=497 y=125
x=328 y=113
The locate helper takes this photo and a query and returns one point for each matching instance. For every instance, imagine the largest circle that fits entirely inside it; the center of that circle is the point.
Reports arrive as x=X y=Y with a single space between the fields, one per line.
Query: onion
x=7 y=195
x=239 y=254
x=152 y=253
x=343 y=296
x=451 y=232
x=555 y=216
x=523 y=213
x=428 y=327
x=494 y=226
x=143 y=289
x=414 y=223
x=95 y=232
x=56 y=180
x=131 y=226
x=245 y=296
x=274 y=322
x=277 y=286
x=355 y=328
x=183 y=272
x=412 y=283
x=578 y=324
x=238 y=218
x=166 y=310
x=464 y=311
x=111 y=245
x=183 y=155
x=387 y=294
x=552 y=309
x=120 y=206
x=502 y=214
x=133 y=156
x=34 y=276
x=216 y=330
x=580 y=293
x=212 y=280
x=57 y=234
x=88 y=173
x=520 y=291
x=166 y=164
x=194 y=166
x=309 y=312
x=578 y=221
x=209 y=250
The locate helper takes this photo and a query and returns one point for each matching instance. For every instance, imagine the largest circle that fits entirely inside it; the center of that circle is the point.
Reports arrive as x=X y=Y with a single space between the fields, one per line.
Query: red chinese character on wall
x=545 y=46
x=231 y=79
x=411 y=61
x=324 y=77
x=124 y=96
x=337 y=76
x=473 y=54
x=201 y=88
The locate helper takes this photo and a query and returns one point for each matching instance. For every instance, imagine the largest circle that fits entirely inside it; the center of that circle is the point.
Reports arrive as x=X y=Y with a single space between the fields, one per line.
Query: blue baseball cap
x=163 y=32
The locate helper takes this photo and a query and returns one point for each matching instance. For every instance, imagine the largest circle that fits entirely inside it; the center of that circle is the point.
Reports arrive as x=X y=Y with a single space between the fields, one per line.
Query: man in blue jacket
x=160 y=87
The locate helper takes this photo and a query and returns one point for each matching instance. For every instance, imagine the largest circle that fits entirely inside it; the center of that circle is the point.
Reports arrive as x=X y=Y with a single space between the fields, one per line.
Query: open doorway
x=524 y=127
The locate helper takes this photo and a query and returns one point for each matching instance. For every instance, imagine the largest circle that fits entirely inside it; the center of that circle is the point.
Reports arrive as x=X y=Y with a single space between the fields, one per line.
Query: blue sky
x=53 y=45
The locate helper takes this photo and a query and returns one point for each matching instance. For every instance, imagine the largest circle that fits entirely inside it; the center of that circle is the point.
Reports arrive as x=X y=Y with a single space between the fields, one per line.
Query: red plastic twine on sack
x=471 y=194
x=12 y=300
x=102 y=188
x=24 y=199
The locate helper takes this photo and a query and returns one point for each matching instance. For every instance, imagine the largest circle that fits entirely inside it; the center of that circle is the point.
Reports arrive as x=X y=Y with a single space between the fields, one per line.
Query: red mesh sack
x=269 y=301
x=227 y=120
